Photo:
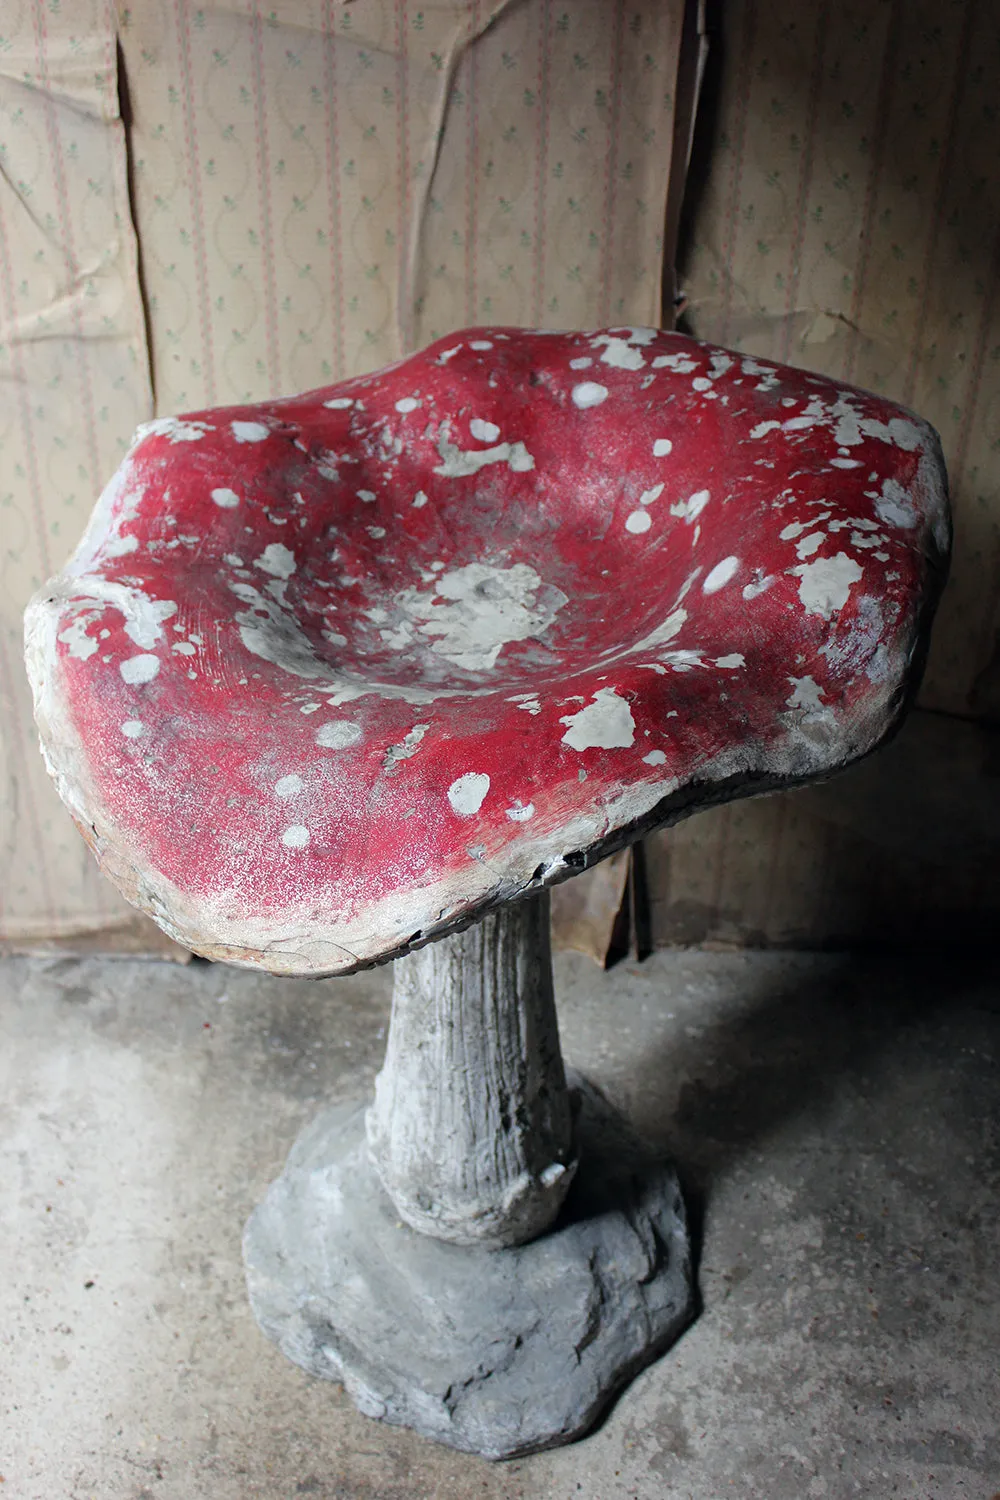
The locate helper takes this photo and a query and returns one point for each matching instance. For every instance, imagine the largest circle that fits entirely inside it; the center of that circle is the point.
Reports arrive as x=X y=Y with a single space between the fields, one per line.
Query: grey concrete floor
x=836 y=1124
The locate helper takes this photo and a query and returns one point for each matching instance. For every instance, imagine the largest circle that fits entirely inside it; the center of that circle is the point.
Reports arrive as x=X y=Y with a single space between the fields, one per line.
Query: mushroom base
x=495 y=1352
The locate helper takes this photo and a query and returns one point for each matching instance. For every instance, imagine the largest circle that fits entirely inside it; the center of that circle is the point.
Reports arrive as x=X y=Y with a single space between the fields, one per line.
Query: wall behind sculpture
x=225 y=201
x=843 y=214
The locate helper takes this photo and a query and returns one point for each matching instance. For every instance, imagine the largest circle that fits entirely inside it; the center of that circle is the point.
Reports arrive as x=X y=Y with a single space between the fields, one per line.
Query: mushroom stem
x=472 y=1128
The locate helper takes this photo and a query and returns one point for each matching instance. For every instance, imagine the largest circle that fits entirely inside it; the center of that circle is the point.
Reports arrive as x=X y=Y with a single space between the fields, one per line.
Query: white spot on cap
x=339 y=403
x=338 y=734
x=249 y=432
x=79 y=643
x=295 y=837
x=620 y=353
x=277 y=560
x=132 y=728
x=589 y=393
x=136 y=669
x=366 y=495
x=763 y=428
x=662 y=447
x=288 y=786
x=731 y=661
x=720 y=575
x=468 y=793
x=605 y=724
x=825 y=585
x=484 y=432
x=407 y=404
x=419 y=500
x=638 y=522
x=648 y=496
x=521 y=811
x=810 y=544
x=655 y=758
x=583 y=363
x=690 y=509
x=480 y=344
x=227 y=499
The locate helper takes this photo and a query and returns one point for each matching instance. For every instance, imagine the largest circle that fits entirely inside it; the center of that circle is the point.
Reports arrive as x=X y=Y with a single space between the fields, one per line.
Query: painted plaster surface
x=475 y=582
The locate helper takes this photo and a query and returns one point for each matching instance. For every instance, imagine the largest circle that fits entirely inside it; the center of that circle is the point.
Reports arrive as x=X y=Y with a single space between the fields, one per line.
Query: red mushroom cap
x=331 y=675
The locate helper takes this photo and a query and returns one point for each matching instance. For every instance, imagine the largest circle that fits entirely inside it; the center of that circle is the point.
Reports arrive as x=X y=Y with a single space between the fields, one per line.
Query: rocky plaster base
x=497 y=1352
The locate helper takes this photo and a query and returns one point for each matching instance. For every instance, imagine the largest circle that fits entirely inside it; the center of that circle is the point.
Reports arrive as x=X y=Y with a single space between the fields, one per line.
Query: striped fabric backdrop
x=848 y=221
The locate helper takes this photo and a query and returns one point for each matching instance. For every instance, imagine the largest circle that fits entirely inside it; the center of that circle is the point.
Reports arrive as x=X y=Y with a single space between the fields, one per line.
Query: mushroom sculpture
x=357 y=675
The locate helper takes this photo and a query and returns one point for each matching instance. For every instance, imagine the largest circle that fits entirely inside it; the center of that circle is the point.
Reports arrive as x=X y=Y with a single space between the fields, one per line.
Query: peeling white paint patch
x=274 y=635
x=249 y=432
x=620 y=353
x=132 y=728
x=810 y=544
x=521 y=812
x=894 y=507
x=376 y=532
x=183 y=648
x=137 y=669
x=763 y=428
x=604 y=724
x=845 y=463
x=480 y=344
x=719 y=364
x=407 y=404
x=583 y=363
x=365 y=496
x=339 y=403
x=144 y=617
x=638 y=522
x=897 y=430
x=661 y=447
x=825 y=585
x=807 y=694
x=794 y=529
x=338 y=734
x=447 y=354
x=276 y=559
x=408 y=747
x=648 y=496
x=655 y=758
x=588 y=393
x=662 y=634
x=484 y=432
x=720 y=575
x=690 y=509
x=457 y=463
x=468 y=793
x=485 y=609
x=529 y=702
x=172 y=428
x=296 y=836
x=76 y=639
x=419 y=500
x=681 y=364
x=731 y=662
x=701 y=383
x=226 y=499
x=121 y=546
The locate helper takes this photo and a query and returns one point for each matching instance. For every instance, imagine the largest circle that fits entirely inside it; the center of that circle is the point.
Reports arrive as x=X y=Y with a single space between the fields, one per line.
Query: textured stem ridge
x=471 y=1131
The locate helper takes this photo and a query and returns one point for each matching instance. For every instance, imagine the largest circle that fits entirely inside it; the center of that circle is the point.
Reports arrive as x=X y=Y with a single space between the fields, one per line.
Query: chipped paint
x=605 y=723
x=825 y=585
x=468 y=793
